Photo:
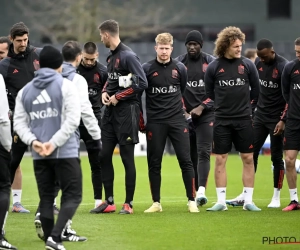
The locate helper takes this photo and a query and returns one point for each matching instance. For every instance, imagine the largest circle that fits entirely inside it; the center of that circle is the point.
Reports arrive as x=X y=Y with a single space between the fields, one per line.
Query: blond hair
x=225 y=38
x=164 y=38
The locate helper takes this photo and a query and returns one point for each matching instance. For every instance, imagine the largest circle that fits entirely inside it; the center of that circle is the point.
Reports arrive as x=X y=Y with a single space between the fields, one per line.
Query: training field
x=174 y=228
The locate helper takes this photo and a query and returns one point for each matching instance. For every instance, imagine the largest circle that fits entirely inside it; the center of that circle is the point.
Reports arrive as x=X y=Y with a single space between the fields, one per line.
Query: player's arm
x=209 y=79
x=183 y=76
x=5 y=134
x=71 y=113
x=253 y=81
x=207 y=102
x=87 y=114
x=281 y=67
x=132 y=63
x=286 y=81
x=103 y=76
x=21 y=121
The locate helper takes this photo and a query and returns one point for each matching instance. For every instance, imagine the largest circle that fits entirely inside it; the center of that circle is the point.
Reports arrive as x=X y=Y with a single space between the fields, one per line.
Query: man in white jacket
x=5 y=147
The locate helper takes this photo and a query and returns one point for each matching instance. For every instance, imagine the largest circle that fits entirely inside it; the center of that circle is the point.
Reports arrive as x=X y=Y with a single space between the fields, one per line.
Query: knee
x=290 y=161
x=204 y=153
x=247 y=158
x=220 y=159
x=276 y=159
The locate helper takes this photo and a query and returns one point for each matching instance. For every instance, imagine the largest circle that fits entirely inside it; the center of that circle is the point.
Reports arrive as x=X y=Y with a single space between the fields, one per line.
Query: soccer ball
x=297 y=166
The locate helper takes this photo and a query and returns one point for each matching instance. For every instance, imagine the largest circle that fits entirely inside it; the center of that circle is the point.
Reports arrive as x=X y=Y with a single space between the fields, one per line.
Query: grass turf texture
x=174 y=228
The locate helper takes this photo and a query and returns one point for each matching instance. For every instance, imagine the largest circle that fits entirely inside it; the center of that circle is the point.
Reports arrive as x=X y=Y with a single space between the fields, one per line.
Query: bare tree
x=62 y=20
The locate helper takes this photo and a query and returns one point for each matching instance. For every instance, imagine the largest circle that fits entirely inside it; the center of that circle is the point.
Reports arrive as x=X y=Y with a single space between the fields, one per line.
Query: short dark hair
x=5 y=39
x=18 y=29
x=297 y=41
x=90 y=48
x=110 y=26
x=264 y=44
x=71 y=50
x=250 y=53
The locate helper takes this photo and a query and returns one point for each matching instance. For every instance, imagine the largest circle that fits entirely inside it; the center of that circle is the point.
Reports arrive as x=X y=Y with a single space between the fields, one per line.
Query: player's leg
x=243 y=141
x=278 y=171
x=156 y=135
x=222 y=143
x=68 y=173
x=4 y=195
x=194 y=156
x=94 y=160
x=291 y=145
x=45 y=178
x=204 y=133
x=260 y=132
x=109 y=142
x=17 y=153
x=179 y=135
x=127 y=117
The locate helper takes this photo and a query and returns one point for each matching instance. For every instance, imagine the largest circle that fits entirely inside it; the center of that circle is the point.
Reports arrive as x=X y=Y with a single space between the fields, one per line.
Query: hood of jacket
x=44 y=77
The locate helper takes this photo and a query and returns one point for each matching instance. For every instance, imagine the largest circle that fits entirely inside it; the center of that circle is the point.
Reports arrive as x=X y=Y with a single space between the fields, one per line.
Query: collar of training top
x=116 y=49
x=11 y=53
x=164 y=64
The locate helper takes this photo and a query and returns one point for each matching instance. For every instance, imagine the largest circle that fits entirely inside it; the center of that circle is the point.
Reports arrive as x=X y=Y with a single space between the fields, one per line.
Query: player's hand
x=279 y=128
x=38 y=147
x=113 y=100
x=105 y=99
x=196 y=112
x=49 y=148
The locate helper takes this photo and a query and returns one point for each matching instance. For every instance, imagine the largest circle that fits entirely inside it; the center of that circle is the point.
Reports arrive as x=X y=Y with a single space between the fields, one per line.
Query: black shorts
x=238 y=132
x=120 y=123
x=291 y=140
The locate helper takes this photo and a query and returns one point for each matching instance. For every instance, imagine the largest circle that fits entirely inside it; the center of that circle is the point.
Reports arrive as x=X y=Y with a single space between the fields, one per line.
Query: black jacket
x=18 y=70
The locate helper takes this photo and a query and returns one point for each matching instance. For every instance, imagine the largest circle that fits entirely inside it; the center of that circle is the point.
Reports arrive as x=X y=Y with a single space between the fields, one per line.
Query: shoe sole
x=201 y=201
x=91 y=212
x=50 y=248
x=38 y=229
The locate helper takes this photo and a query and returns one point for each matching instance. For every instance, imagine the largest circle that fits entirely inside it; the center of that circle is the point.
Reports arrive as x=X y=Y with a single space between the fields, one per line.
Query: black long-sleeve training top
x=194 y=94
x=121 y=62
x=227 y=82
x=271 y=104
x=96 y=77
x=18 y=70
x=166 y=84
x=290 y=84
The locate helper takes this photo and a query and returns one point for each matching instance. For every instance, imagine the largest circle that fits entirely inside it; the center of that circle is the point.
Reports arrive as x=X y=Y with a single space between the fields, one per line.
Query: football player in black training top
x=290 y=81
x=95 y=74
x=121 y=119
x=227 y=82
x=199 y=110
x=269 y=116
x=167 y=79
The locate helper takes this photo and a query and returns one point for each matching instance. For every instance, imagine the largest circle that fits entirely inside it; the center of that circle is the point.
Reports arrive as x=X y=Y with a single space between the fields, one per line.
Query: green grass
x=174 y=228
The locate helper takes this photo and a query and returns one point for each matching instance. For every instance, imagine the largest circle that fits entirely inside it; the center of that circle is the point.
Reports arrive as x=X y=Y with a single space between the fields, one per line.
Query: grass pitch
x=174 y=228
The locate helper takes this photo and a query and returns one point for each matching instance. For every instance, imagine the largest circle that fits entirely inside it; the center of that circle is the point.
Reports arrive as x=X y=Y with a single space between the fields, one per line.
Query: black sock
x=110 y=200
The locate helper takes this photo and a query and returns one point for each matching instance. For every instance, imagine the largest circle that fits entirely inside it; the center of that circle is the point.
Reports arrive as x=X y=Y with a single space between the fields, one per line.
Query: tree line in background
x=60 y=20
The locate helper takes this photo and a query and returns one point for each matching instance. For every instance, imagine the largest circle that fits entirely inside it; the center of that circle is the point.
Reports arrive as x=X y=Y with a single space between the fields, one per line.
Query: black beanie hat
x=194 y=36
x=50 y=57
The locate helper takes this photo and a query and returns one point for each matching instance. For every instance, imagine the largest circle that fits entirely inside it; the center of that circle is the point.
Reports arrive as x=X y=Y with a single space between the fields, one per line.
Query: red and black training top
x=227 y=82
x=166 y=84
x=96 y=77
x=194 y=94
x=290 y=81
x=121 y=62
x=271 y=104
